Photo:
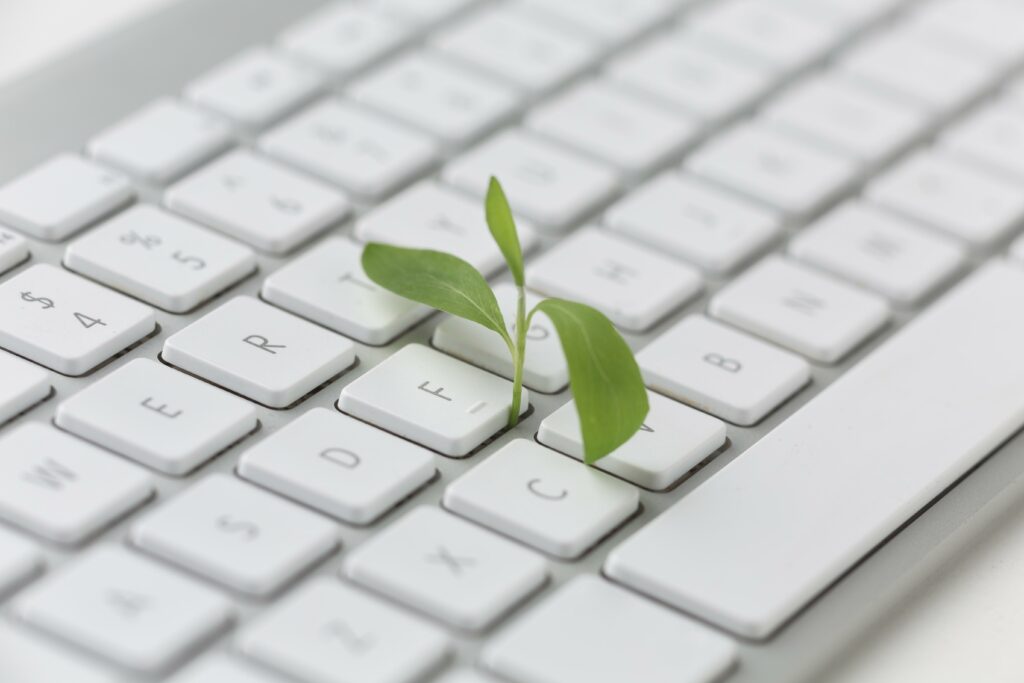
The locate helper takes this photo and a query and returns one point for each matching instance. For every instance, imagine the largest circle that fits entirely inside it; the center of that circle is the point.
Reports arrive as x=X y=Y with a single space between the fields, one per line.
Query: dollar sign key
x=43 y=301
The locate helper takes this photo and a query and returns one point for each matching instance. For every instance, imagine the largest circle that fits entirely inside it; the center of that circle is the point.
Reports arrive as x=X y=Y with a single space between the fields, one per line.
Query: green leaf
x=606 y=383
x=503 y=229
x=437 y=279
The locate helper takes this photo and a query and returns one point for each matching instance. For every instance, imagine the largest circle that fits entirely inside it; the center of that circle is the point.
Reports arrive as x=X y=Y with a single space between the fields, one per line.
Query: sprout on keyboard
x=604 y=378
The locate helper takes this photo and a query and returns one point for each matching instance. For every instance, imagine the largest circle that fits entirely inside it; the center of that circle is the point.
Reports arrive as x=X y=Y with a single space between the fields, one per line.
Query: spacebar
x=761 y=538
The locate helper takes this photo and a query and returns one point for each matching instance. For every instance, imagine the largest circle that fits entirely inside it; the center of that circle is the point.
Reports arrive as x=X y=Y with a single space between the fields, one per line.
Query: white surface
x=773 y=167
x=534 y=54
x=541 y=498
x=125 y=608
x=61 y=195
x=338 y=465
x=610 y=20
x=13 y=249
x=167 y=261
x=330 y=632
x=447 y=567
x=432 y=399
x=696 y=221
x=158 y=416
x=877 y=250
x=633 y=285
x=544 y=369
x=61 y=487
x=439 y=96
x=258 y=201
x=672 y=440
x=796 y=307
x=612 y=124
x=19 y=559
x=721 y=370
x=992 y=26
x=548 y=184
x=891 y=412
x=222 y=668
x=65 y=322
x=23 y=385
x=537 y=648
x=29 y=658
x=430 y=215
x=259 y=351
x=365 y=153
x=161 y=141
x=236 y=534
x=993 y=136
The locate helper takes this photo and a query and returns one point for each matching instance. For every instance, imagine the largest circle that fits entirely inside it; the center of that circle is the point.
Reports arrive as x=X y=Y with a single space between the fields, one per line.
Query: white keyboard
x=226 y=455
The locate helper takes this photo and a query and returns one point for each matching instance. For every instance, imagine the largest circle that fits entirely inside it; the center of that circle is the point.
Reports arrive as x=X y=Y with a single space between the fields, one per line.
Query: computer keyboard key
x=611 y=21
x=994 y=27
x=67 y=323
x=344 y=38
x=544 y=369
x=550 y=185
x=438 y=96
x=258 y=201
x=721 y=371
x=963 y=201
x=774 y=168
x=223 y=668
x=338 y=465
x=38 y=660
x=259 y=351
x=164 y=260
x=13 y=250
x=19 y=560
x=992 y=136
x=603 y=120
x=330 y=632
x=521 y=48
x=800 y=309
x=542 y=499
x=923 y=409
x=61 y=196
x=157 y=416
x=161 y=141
x=62 y=488
x=872 y=248
x=846 y=117
x=254 y=88
x=466 y=676
x=24 y=385
x=631 y=284
x=768 y=34
x=679 y=71
x=432 y=399
x=125 y=608
x=447 y=568
x=235 y=534
x=848 y=14
x=615 y=636
x=368 y=155
x=931 y=73
x=711 y=228
x=431 y=216
x=423 y=14
x=328 y=286
x=673 y=440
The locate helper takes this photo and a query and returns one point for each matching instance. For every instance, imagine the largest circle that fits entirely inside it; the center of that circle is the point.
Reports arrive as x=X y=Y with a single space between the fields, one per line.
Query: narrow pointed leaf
x=503 y=229
x=437 y=279
x=606 y=383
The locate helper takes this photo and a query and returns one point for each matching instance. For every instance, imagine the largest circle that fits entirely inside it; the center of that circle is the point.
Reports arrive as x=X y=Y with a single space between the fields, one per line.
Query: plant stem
x=518 y=356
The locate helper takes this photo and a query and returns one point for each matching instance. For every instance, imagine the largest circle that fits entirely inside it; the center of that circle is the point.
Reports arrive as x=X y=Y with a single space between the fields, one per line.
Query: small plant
x=603 y=375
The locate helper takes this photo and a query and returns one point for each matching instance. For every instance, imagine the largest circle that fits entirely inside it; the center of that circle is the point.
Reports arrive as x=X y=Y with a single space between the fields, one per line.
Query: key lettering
x=645 y=428
x=263 y=344
x=160 y=409
x=454 y=563
x=340 y=456
x=88 y=322
x=616 y=272
x=534 y=486
x=355 y=642
x=128 y=605
x=247 y=530
x=439 y=392
x=881 y=246
x=349 y=277
x=50 y=474
x=196 y=262
x=728 y=364
x=803 y=302
x=5 y=237
x=41 y=300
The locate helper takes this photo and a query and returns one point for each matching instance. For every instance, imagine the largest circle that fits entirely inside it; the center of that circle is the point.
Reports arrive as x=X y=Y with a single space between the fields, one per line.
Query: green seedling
x=603 y=375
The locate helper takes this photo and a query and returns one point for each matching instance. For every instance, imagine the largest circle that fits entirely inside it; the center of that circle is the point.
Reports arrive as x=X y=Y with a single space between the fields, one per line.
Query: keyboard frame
x=59 y=106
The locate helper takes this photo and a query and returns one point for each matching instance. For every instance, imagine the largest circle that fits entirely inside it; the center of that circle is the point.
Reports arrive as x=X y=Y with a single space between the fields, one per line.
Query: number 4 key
x=67 y=323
